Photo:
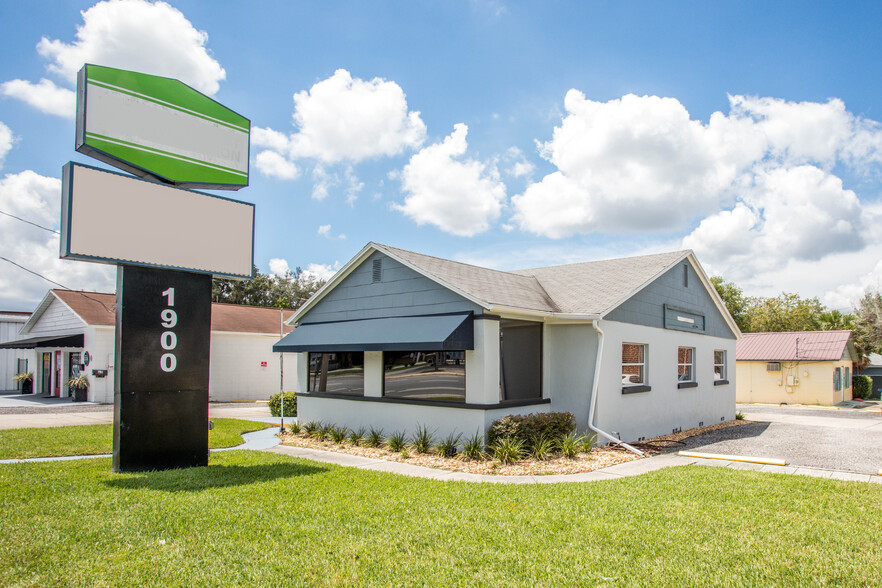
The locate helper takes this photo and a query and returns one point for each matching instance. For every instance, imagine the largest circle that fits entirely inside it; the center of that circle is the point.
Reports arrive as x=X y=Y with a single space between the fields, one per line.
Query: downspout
x=594 y=393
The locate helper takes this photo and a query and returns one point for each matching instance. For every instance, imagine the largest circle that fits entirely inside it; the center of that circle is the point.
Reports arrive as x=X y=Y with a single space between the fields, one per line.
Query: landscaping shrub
x=862 y=387
x=374 y=437
x=570 y=445
x=447 y=446
x=396 y=441
x=508 y=450
x=542 y=448
x=275 y=402
x=473 y=448
x=422 y=440
x=528 y=428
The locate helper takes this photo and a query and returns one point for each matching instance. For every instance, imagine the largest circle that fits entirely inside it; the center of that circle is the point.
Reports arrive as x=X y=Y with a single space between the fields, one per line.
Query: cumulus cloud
x=325 y=231
x=279 y=267
x=274 y=165
x=641 y=162
x=345 y=119
x=36 y=198
x=320 y=271
x=45 y=96
x=150 y=37
x=458 y=195
x=6 y=140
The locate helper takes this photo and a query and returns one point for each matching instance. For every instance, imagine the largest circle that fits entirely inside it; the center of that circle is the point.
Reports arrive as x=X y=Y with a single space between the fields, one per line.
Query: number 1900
x=168 y=340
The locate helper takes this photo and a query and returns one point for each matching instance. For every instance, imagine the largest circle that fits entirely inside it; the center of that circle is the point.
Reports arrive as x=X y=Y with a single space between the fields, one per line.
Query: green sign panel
x=160 y=128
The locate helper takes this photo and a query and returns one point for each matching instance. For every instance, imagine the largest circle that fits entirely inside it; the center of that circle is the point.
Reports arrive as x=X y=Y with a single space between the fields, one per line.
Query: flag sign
x=162 y=128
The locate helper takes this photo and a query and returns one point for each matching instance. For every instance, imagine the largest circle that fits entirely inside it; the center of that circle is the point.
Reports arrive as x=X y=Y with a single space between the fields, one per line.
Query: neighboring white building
x=12 y=361
x=72 y=331
x=636 y=347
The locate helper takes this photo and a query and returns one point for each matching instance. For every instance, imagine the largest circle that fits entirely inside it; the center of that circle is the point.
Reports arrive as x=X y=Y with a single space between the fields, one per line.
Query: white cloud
x=37 y=199
x=149 y=37
x=279 y=267
x=6 y=141
x=320 y=271
x=45 y=96
x=459 y=196
x=274 y=165
x=346 y=119
x=325 y=231
x=640 y=163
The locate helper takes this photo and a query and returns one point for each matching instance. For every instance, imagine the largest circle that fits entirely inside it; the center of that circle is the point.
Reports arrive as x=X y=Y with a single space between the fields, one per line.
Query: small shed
x=70 y=333
x=804 y=367
x=874 y=370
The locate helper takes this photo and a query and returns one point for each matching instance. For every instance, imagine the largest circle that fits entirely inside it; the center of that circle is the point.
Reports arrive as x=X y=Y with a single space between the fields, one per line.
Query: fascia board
x=527 y=313
x=332 y=283
x=482 y=303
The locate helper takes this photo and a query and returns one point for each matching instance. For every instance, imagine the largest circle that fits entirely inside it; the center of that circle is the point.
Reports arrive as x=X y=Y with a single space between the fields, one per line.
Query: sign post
x=167 y=243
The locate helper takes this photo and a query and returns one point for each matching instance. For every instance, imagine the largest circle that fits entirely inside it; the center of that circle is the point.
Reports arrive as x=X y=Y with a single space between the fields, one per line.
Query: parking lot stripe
x=762 y=460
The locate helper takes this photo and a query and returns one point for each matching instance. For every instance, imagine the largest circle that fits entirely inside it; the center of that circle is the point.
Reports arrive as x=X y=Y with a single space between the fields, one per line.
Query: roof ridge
x=444 y=259
x=562 y=265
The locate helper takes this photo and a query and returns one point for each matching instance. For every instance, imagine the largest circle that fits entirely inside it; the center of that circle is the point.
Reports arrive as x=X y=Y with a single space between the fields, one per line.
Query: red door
x=57 y=374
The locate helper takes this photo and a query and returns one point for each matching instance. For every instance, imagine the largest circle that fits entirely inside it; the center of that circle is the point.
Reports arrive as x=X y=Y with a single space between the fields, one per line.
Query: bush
x=527 y=428
x=275 y=402
x=861 y=387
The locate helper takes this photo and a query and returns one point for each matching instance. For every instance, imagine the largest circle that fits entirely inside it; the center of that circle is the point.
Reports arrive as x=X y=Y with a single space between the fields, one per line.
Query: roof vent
x=378 y=270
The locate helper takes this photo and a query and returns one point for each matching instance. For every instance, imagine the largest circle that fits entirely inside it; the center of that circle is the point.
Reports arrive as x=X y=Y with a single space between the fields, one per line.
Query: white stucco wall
x=237 y=372
x=568 y=368
x=665 y=407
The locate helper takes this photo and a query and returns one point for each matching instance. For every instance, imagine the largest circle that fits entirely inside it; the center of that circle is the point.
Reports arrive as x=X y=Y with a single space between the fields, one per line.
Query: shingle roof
x=592 y=287
x=492 y=286
x=99 y=309
x=813 y=346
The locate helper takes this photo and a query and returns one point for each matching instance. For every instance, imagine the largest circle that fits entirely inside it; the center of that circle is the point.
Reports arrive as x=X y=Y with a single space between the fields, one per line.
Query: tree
x=289 y=291
x=786 y=312
x=734 y=299
x=835 y=320
x=868 y=326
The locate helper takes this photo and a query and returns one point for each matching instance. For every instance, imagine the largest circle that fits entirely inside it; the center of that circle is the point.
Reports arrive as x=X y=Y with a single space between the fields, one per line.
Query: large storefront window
x=337 y=373
x=421 y=375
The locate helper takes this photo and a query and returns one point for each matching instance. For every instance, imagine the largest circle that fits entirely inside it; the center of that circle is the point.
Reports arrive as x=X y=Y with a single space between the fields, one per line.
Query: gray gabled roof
x=597 y=287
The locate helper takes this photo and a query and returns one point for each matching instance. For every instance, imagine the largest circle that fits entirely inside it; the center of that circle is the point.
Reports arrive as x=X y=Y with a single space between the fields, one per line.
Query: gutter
x=594 y=393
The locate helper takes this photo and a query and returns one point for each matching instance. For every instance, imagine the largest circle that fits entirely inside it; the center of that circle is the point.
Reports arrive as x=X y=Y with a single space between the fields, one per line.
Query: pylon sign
x=160 y=128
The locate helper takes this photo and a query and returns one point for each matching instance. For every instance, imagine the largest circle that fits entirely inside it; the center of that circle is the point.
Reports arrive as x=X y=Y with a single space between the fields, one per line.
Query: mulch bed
x=600 y=457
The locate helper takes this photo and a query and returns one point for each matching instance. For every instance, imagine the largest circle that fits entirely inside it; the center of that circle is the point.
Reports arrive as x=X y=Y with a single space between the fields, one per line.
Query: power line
x=30 y=223
x=56 y=283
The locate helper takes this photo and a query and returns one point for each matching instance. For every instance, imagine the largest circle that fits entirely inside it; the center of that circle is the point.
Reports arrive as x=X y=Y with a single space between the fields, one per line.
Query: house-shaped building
x=634 y=347
x=70 y=333
x=804 y=367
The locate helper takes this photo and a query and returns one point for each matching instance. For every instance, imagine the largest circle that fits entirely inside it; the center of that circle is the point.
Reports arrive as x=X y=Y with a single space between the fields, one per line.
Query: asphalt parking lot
x=843 y=440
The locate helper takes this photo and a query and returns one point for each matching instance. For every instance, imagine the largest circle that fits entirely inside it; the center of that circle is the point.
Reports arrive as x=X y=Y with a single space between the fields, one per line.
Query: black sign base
x=160 y=412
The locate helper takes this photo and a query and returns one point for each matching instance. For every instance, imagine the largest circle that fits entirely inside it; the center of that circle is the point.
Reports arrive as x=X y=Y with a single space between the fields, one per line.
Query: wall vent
x=773 y=366
x=378 y=270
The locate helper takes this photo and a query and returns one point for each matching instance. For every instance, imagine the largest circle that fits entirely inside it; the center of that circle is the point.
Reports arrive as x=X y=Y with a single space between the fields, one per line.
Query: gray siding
x=647 y=307
x=400 y=292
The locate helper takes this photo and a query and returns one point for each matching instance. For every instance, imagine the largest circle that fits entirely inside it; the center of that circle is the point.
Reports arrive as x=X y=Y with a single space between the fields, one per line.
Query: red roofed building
x=806 y=367
x=73 y=332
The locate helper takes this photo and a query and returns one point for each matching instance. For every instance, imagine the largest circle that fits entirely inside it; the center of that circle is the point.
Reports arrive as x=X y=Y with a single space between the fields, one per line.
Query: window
x=719 y=365
x=337 y=373
x=421 y=375
x=848 y=377
x=837 y=379
x=633 y=364
x=520 y=357
x=685 y=364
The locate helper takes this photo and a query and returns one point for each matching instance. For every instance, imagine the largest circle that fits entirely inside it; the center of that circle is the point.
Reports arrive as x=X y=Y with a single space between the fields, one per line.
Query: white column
x=302 y=371
x=482 y=364
x=373 y=373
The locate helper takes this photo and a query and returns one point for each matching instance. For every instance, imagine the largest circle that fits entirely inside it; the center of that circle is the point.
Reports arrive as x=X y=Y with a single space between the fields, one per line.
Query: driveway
x=842 y=440
x=30 y=410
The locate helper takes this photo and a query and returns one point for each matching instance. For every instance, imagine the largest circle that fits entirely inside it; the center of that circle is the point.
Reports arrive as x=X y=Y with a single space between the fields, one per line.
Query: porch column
x=302 y=372
x=482 y=364
x=373 y=373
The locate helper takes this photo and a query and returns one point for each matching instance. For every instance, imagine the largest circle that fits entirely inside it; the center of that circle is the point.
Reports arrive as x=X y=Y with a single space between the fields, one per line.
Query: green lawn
x=262 y=519
x=98 y=439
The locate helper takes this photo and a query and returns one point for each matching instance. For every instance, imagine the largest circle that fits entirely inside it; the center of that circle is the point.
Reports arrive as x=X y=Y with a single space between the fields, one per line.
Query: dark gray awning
x=449 y=332
x=33 y=342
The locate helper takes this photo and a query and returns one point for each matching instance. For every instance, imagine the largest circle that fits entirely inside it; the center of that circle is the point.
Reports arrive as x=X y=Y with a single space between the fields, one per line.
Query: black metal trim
x=687 y=384
x=635 y=389
x=438 y=403
x=487 y=317
x=75 y=341
x=720 y=382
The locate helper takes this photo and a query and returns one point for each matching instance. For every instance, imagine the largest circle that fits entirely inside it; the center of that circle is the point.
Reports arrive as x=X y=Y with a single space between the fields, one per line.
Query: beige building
x=808 y=367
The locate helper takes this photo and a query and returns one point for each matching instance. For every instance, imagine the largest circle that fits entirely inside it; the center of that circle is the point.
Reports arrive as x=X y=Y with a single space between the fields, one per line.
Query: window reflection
x=420 y=375
x=337 y=373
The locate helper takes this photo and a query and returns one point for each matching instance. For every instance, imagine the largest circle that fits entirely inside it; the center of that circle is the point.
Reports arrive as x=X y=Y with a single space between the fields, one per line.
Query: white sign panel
x=113 y=218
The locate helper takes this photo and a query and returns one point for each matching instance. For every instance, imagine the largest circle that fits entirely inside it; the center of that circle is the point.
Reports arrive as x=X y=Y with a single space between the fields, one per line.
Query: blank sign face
x=112 y=218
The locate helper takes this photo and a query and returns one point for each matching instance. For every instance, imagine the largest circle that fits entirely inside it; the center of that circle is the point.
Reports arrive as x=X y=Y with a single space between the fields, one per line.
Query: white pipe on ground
x=594 y=393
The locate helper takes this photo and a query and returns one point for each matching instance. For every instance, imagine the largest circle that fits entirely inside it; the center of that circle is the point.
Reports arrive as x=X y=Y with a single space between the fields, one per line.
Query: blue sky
x=505 y=134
